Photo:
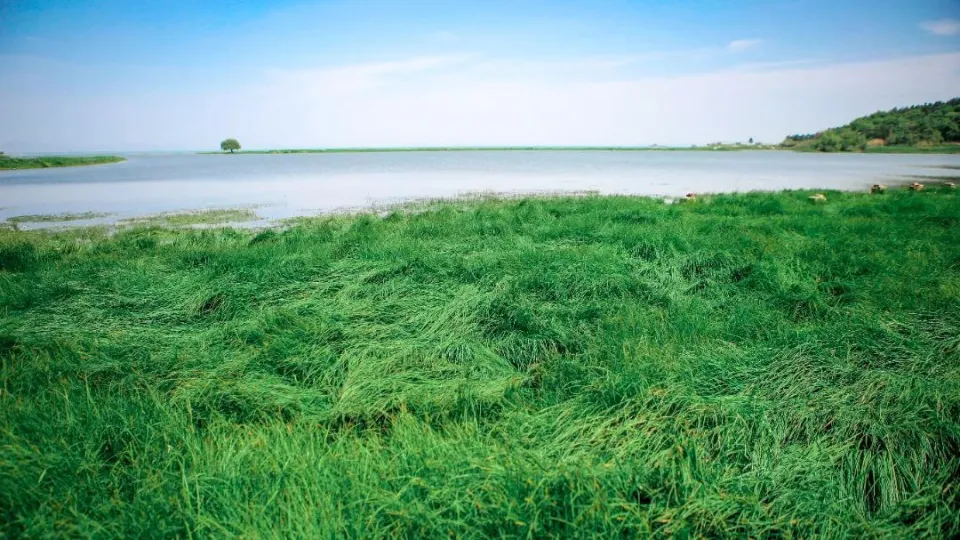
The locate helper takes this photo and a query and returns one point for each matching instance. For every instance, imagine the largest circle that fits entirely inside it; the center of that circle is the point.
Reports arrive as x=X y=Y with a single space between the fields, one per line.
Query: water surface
x=287 y=185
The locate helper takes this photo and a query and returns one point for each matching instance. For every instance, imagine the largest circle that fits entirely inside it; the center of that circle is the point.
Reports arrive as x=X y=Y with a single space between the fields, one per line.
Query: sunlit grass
x=736 y=366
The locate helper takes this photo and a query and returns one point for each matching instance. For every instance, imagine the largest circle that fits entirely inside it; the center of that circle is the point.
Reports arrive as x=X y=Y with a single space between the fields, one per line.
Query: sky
x=116 y=75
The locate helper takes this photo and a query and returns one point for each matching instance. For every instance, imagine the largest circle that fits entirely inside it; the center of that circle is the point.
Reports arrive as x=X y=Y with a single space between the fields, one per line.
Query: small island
x=43 y=162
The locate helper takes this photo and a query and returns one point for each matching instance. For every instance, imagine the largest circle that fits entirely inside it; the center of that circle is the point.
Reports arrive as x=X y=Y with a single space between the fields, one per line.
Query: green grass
x=738 y=366
x=898 y=149
x=200 y=217
x=9 y=162
x=933 y=149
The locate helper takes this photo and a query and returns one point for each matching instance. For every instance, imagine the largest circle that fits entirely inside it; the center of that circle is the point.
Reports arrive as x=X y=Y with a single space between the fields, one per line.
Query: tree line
x=929 y=124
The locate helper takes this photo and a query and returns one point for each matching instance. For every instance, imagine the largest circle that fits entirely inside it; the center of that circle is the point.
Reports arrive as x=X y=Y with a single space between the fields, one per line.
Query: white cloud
x=450 y=101
x=770 y=66
x=739 y=45
x=579 y=67
x=363 y=76
x=942 y=27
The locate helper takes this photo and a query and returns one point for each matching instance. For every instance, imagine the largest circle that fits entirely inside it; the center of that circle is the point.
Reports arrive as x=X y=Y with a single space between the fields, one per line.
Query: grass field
x=42 y=162
x=741 y=365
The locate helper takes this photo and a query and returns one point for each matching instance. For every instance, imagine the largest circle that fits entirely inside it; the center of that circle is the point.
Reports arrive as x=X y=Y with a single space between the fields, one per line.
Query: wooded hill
x=926 y=125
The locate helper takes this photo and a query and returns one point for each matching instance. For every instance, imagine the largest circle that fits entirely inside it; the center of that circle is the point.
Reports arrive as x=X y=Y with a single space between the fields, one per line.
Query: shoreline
x=936 y=150
x=9 y=163
x=245 y=216
x=364 y=150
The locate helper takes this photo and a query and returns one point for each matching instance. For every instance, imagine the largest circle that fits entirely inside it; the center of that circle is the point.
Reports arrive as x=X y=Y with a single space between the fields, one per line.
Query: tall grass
x=742 y=365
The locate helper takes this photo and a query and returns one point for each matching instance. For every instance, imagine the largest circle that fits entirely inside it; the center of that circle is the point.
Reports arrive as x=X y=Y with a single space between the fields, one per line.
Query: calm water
x=304 y=184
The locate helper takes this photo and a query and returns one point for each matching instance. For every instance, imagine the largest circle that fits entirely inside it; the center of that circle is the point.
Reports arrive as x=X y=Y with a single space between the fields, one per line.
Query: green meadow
x=750 y=365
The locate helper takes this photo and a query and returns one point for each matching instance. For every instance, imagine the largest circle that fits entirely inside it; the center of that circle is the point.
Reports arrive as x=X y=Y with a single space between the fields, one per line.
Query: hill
x=917 y=127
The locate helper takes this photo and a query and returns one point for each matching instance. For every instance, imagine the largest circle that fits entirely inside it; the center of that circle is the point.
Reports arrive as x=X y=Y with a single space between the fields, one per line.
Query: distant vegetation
x=10 y=162
x=929 y=127
x=230 y=145
x=46 y=218
x=738 y=366
x=655 y=148
x=200 y=217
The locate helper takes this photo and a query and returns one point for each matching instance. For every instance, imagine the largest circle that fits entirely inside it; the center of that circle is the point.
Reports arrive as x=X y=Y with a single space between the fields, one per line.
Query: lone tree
x=751 y=140
x=230 y=144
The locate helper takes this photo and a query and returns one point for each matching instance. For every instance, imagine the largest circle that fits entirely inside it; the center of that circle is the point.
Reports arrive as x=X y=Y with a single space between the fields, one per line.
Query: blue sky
x=119 y=75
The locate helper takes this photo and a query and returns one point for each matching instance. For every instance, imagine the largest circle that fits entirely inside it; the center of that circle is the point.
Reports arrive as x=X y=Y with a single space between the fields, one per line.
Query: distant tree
x=230 y=144
x=852 y=141
x=751 y=140
x=829 y=142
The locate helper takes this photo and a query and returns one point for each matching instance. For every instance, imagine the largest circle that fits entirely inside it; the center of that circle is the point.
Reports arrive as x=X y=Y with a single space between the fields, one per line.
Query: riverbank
x=43 y=162
x=737 y=365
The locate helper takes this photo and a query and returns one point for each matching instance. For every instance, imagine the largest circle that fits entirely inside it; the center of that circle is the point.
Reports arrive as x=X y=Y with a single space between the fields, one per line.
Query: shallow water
x=288 y=185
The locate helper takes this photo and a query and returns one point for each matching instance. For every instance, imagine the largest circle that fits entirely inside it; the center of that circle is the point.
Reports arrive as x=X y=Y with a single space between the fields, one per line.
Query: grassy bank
x=42 y=162
x=937 y=149
x=743 y=365
x=730 y=147
x=934 y=149
x=49 y=218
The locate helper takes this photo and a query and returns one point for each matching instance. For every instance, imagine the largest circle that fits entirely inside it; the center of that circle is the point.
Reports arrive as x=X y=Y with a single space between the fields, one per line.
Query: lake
x=286 y=185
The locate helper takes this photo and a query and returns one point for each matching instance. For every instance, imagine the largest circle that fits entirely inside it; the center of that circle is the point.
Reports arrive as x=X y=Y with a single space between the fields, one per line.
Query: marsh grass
x=49 y=218
x=735 y=366
x=199 y=217
x=43 y=162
